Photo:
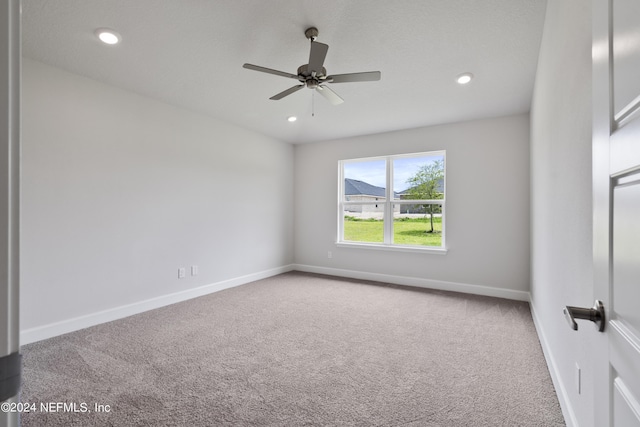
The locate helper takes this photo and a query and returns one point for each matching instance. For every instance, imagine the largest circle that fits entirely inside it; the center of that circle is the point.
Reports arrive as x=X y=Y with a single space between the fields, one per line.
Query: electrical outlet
x=182 y=272
x=194 y=270
x=329 y=255
x=578 y=379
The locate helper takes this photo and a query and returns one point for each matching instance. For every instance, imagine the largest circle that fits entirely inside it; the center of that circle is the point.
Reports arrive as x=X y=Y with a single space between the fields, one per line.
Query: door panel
x=625 y=407
x=626 y=54
x=626 y=253
x=625 y=146
x=625 y=83
x=625 y=363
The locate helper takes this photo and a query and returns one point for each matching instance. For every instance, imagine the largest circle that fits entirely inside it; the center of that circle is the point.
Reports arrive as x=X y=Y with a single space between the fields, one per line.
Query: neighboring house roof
x=353 y=187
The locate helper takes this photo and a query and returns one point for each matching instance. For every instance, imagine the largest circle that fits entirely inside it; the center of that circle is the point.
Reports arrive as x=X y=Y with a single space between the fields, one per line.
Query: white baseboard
x=70 y=325
x=561 y=390
x=418 y=282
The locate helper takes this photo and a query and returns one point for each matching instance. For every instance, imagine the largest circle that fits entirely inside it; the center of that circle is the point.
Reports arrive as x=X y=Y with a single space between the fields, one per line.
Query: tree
x=426 y=185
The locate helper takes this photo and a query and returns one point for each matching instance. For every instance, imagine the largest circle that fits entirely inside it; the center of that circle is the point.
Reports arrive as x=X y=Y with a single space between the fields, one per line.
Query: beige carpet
x=301 y=350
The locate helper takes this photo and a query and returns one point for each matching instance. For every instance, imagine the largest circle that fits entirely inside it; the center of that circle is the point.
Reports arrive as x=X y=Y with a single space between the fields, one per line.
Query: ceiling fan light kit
x=313 y=75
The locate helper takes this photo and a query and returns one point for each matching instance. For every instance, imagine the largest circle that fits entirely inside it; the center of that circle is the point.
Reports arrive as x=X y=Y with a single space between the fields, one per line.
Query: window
x=393 y=202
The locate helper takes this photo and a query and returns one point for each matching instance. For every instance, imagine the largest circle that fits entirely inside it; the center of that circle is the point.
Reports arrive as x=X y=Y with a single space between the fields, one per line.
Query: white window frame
x=389 y=203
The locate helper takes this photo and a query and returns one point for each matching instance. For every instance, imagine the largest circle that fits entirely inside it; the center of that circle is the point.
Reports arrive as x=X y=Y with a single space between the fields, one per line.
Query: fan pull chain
x=313 y=103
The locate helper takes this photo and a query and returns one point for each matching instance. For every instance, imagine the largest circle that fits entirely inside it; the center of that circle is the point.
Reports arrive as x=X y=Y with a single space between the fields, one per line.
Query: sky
x=373 y=171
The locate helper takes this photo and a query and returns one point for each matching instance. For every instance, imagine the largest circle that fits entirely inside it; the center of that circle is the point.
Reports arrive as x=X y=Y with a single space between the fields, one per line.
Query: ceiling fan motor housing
x=309 y=80
x=304 y=73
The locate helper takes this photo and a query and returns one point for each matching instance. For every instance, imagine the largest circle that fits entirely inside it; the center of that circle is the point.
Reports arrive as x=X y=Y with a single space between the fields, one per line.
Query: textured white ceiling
x=190 y=53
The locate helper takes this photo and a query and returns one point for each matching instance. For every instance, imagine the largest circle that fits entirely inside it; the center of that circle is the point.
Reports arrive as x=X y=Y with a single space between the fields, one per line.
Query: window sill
x=393 y=248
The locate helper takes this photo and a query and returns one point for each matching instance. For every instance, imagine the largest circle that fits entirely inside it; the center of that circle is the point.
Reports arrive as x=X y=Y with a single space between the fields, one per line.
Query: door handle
x=595 y=314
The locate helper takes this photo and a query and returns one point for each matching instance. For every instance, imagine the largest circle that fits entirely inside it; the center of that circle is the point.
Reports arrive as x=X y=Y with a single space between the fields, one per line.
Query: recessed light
x=292 y=118
x=108 y=36
x=464 y=78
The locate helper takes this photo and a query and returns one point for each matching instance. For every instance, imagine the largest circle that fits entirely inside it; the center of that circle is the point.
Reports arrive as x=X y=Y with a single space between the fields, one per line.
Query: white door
x=616 y=208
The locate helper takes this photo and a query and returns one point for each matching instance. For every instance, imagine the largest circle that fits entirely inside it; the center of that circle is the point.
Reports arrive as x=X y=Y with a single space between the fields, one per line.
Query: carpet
x=300 y=349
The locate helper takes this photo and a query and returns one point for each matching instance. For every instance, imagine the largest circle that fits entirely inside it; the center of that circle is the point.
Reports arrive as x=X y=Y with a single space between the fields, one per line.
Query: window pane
x=365 y=181
x=419 y=225
x=418 y=178
x=364 y=223
x=407 y=218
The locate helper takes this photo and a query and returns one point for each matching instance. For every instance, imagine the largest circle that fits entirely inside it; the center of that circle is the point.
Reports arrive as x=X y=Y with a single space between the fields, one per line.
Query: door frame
x=10 y=363
x=601 y=190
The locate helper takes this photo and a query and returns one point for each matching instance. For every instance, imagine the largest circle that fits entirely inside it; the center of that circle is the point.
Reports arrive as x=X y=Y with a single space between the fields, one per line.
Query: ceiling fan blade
x=287 y=92
x=269 y=70
x=369 y=76
x=316 y=57
x=330 y=95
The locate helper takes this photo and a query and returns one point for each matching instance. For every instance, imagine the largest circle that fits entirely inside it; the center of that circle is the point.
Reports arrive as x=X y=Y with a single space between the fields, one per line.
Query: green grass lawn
x=405 y=231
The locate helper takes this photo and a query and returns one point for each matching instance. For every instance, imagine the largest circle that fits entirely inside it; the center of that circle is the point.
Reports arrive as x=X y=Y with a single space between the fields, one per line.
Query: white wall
x=120 y=190
x=561 y=256
x=487 y=210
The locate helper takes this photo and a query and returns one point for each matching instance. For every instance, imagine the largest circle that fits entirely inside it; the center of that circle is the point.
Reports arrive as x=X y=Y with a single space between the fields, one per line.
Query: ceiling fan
x=313 y=75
